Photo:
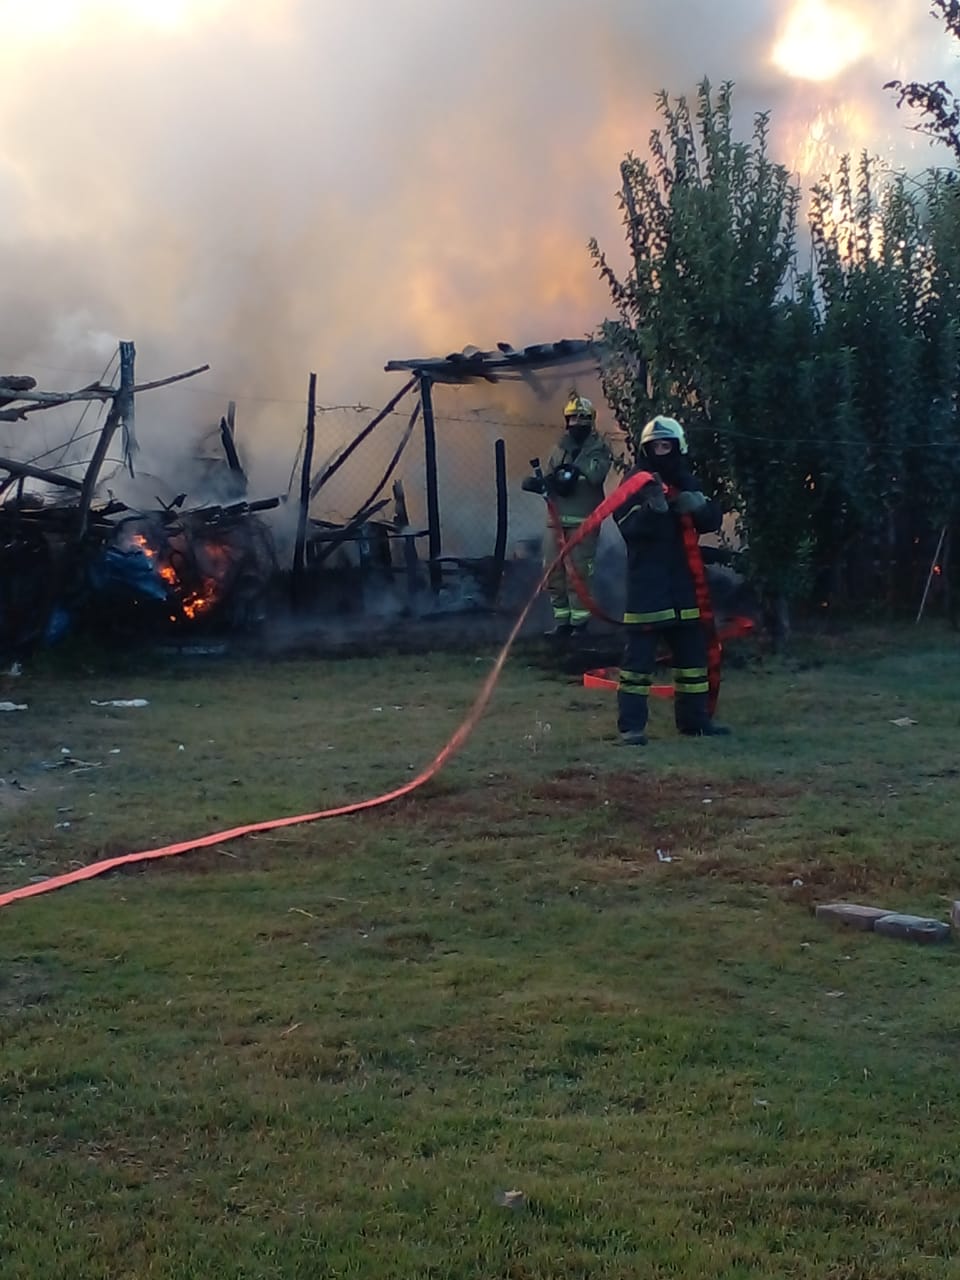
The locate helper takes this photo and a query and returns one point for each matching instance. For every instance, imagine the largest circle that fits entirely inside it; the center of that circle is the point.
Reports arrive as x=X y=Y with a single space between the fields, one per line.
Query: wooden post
x=433 y=493
x=299 y=550
x=122 y=406
x=500 y=546
x=229 y=447
x=127 y=407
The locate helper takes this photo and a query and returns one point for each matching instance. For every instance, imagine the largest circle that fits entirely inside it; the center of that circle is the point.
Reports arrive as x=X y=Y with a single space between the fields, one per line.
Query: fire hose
x=631 y=486
x=691 y=544
x=563 y=545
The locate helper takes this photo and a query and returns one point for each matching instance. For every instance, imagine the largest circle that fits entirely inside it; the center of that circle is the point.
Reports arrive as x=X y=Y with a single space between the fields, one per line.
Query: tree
x=938 y=105
x=888 y=315
x=715 y=327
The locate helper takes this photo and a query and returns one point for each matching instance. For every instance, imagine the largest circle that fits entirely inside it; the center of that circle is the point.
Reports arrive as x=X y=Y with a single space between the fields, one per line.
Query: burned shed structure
x=85 y=547
x=415 y=551
x=73 y=561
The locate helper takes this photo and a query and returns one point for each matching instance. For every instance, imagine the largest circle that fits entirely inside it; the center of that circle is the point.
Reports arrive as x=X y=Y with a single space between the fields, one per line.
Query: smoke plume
x=276 y=186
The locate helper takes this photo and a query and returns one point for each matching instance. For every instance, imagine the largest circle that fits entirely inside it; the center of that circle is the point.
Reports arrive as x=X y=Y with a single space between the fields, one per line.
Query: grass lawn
x=326 y=1051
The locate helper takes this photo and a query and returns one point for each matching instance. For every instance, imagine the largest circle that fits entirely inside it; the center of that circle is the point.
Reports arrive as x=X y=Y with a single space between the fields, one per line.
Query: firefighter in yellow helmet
x=573 y=487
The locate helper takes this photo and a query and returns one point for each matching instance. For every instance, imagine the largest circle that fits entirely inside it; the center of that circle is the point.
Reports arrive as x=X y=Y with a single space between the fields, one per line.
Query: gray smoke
x=276 y=186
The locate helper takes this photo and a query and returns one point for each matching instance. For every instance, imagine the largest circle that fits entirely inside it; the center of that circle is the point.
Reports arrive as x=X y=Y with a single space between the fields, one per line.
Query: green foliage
x=706 y=328
x=938 y=105
x=821 y=404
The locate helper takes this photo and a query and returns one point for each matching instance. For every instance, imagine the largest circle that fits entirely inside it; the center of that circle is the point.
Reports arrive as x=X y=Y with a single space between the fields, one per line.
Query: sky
x=280 y=186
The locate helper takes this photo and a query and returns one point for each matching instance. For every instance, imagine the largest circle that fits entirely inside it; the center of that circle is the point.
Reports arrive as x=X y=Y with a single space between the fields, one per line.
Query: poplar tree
x=714 y=327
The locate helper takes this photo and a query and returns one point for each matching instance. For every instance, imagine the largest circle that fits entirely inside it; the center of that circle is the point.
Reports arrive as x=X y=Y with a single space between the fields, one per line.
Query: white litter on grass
x=664 y=857
x=120 y=702
x=14 y=706
x=902 y=721
x=66 y=760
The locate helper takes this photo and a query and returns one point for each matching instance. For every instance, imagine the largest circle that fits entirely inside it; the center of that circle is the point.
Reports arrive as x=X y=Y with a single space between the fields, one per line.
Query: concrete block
x=916 y=928
x=851 y=914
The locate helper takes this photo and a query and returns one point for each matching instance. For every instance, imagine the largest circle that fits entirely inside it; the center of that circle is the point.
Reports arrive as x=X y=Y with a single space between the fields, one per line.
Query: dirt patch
x=576 y=793
x=12 y=795
x=23 y=986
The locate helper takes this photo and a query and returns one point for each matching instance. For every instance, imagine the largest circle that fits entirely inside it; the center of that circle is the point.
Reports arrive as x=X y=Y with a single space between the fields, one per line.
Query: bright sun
x=818 y=41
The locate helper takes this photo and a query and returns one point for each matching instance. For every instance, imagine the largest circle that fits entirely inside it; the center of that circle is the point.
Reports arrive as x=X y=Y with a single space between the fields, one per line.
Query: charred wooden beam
x=299 y=550
x=400 y=517
x=229 y=447
x=433 y=488
x=500 y=546
x=120 y=405
x=39 y=473
x=11 y=387
x=38 y=400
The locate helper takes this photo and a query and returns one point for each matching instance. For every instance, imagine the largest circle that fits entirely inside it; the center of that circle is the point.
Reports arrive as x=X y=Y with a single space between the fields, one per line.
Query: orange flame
x=192 y=603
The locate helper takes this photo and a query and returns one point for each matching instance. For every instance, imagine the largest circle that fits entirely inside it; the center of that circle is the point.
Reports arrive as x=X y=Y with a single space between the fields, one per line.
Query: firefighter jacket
x=593 y=460
x=661 y=591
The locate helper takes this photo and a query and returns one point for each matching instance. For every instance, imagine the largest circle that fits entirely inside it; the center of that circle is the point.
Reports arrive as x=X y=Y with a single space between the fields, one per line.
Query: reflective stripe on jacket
x=661 y=591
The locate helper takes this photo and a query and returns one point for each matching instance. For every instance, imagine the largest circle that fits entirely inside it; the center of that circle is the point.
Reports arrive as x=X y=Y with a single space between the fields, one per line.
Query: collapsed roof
x=506 y=363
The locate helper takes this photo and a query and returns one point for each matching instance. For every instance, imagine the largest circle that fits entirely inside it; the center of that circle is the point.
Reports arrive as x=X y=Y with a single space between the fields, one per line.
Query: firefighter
x=662 y=600
x=573 y=487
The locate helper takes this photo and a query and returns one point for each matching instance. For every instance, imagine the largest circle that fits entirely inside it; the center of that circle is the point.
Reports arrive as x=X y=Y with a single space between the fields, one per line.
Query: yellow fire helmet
x=580 y=407
x=663 y=428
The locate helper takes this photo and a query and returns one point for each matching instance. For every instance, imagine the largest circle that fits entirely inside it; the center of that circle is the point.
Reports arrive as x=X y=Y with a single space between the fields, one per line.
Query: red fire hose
x=691 y=544
x=610 y=504
x=579 y=585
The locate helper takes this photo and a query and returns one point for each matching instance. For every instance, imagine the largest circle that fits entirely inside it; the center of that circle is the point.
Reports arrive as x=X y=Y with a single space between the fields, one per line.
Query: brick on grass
x=851 y=914
x=916 y=928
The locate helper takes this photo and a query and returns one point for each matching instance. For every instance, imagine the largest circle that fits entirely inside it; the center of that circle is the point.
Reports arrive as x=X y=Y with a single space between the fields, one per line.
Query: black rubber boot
x=633 y=738
x=562 y=631
x=707 y=730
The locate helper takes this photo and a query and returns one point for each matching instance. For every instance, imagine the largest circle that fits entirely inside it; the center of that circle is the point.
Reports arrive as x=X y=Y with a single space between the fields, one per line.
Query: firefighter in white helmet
x=573 y=487
x=662 y=603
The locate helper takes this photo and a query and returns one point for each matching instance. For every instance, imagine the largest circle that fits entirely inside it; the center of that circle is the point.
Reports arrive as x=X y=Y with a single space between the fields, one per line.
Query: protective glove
x=688 y=501
x=653 y=497
x=563 y=480
x=532 y=484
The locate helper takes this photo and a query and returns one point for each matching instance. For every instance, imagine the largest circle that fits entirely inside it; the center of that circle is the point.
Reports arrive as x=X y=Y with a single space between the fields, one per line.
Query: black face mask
x=579 y=431
x=670 y=466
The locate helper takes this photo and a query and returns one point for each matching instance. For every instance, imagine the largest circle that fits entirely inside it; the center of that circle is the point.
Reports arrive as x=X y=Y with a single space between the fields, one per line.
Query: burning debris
x=71 y=563
x=74 y=563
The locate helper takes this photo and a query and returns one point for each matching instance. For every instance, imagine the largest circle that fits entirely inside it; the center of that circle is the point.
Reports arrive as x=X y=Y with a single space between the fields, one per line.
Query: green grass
x=324 y=1051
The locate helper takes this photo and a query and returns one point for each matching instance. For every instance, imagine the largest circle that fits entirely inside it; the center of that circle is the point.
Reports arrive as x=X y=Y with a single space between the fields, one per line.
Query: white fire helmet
x=663 y=428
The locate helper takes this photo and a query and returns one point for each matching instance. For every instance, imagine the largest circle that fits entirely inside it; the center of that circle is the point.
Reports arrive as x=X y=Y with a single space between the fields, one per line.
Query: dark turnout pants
x=688 y=648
